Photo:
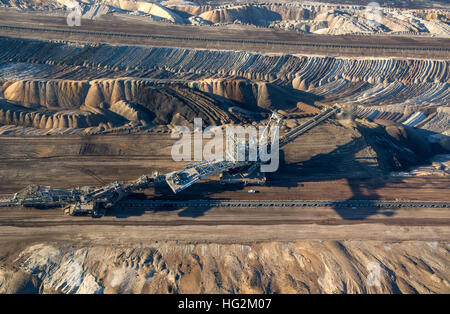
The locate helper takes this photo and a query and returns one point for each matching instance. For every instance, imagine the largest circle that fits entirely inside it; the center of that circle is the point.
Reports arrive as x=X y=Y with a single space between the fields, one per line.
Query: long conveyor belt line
x=145 y=182
x=292 y=203
x=206 y=39
x=308 y=125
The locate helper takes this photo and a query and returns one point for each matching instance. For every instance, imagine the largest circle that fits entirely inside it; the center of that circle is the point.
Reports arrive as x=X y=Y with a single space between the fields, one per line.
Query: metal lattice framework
x=90 y=200
x=305 y=127
x=180 y=180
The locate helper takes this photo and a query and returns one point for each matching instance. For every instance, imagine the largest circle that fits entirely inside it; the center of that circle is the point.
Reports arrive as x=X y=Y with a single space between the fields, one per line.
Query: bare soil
x=121 y=31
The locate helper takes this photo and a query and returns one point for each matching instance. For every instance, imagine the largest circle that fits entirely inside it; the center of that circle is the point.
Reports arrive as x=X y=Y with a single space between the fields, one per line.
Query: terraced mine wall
x=59 y=79
x=305 y=71
x=78 y=104
x=297 y=16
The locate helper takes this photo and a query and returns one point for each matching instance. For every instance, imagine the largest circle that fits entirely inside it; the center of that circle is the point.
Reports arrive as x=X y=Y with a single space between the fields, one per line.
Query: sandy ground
x=75 y=161
x=308 y=266
x=228 y=250
x=225 y=225
x=72 y=162
x=375 y=46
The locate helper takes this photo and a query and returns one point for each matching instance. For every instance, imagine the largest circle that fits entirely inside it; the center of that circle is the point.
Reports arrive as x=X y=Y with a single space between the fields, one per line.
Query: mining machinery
x=94 y=201
x=79 y=201
x=234 y=169
x=182 y=179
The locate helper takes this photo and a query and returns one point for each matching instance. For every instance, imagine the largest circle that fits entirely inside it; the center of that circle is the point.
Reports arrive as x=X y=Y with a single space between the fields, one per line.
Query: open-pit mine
x=354 y=97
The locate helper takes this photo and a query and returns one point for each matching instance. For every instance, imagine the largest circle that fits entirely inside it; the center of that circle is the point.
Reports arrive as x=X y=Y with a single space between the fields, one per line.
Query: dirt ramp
x=130 y=111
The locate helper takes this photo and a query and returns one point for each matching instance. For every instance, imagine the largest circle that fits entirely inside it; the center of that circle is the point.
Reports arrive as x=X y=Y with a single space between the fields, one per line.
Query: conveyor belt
x=205 y=39
x=305 y=127
x=266 y=203
x=292 y=203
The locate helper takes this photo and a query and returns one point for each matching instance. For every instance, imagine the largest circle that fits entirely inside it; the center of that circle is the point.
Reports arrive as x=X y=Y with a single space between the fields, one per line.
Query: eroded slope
x=273 y=267
x=42 y=79
x=304 y=17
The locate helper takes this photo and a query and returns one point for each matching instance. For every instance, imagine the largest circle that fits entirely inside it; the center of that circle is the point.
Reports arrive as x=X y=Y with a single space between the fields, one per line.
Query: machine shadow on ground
x=201 y=191
x=363 y=182
x=363 y=176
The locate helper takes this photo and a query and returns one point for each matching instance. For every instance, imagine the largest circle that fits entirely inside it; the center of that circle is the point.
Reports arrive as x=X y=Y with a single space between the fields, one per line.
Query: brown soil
x=377 y=46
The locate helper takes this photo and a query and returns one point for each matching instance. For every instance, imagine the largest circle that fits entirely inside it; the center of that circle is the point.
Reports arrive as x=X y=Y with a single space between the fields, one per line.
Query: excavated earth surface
x=300 y=17
x=88 y=88
x=272 y=267
x=128 y=30
x=82 y=109
x=224 y=250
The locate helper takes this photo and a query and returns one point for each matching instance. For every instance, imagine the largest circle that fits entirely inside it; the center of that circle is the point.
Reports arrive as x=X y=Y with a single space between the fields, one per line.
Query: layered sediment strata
x=208 y=83
x=273 y=267
x=304 y=71
x=113 y=101
x=304 y=17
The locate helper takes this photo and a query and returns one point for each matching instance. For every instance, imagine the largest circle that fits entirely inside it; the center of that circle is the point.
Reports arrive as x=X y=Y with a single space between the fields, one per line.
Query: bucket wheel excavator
x=94 y=201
